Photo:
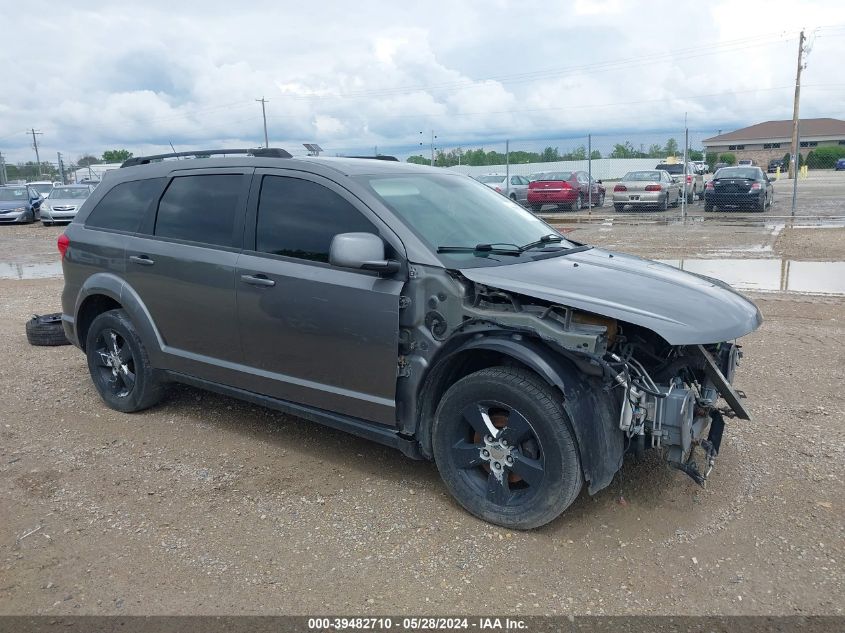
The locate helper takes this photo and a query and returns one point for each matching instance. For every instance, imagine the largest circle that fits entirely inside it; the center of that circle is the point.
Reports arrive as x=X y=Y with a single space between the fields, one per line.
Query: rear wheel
x=600 y=203
x=664 y=205
x=677 y=200
x=579 y=203
x=119 y=364
x=513 y=197
x=690 y=196
x=505 y=449
x=618 y=207
x=708 y=206
x=536 y=208
x=761 y=204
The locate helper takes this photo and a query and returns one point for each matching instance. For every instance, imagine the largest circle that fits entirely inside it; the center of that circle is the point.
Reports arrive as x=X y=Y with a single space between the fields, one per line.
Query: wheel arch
x=105 y=291
x=591 y=409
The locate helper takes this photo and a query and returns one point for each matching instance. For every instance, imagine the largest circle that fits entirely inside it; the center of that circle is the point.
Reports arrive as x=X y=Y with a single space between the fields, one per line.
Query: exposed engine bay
x=667 y=396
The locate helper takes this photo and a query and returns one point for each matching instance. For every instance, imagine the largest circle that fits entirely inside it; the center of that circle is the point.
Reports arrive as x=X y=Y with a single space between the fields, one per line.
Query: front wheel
x=119 y=364
x=579 y=203
x=535 y=208
x=600 y=203
x=505 y=449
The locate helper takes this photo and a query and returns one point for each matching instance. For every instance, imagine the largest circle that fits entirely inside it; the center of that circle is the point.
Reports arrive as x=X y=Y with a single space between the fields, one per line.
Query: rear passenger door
x=182 y=264
x=313 y=333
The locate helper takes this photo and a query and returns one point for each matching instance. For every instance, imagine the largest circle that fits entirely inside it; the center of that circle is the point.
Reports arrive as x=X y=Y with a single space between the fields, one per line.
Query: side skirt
x=354 y=426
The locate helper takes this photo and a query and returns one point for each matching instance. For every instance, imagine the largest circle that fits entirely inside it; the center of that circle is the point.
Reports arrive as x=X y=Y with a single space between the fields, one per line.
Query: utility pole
x=507 y=167
x=61 y=167
x=590 y=171
x=35 y=145
x=264 y=114
x=433 y=136
x=793 y=164
x=3 y=177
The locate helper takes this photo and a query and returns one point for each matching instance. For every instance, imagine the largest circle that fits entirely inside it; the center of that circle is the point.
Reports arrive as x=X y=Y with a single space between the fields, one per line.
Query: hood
x=67 y=202
x=10 y=204
x=683 y=308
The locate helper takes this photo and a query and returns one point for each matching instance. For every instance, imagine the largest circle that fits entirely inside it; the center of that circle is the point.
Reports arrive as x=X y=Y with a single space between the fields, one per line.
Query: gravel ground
x=206 y=505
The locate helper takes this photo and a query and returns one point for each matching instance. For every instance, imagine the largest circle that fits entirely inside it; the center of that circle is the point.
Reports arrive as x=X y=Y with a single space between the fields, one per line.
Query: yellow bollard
x=777 y=173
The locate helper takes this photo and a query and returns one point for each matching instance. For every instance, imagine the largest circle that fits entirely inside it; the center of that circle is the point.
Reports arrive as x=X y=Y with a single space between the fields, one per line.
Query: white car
x=43 y=187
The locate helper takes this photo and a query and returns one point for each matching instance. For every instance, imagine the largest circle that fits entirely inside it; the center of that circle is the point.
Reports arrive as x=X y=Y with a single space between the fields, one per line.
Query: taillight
x=756 y=185
x=620 y=187
x=499 y=189
x=709 y=185
x=566 y=185
x=653 y=188
x=689 y=178
x=63 y=242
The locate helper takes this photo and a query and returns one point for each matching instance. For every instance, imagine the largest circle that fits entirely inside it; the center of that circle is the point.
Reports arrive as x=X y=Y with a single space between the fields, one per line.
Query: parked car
x=700 y=166
x=741 y=186
x=407 y=305
x=694 y=185
x=568 y=189
x=840 y=164
x=747 y=162
x=64 y=202
x=19 y=204
x=43 y=187
x=774 y=165
x=718 y=166
x=514 y=187
x=652 y=188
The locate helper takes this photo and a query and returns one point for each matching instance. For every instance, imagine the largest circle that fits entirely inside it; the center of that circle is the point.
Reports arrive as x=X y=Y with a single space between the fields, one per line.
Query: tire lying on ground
x=46 y=329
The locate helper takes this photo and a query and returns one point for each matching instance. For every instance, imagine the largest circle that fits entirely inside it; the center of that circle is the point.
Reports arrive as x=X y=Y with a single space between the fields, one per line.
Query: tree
x=579 y=153
x=729 y=159
x=595 y=154
x=419 y=160
x=623 y=151
x=87 y=160
x=825 y=157
x=671 y=147
x=550 y=155
x=712 y=158
x=655 y=151
x=695 y=155
x=116 y=155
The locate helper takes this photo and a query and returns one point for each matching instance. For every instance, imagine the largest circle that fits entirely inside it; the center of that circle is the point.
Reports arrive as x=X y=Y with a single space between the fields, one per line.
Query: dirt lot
x=208 y=505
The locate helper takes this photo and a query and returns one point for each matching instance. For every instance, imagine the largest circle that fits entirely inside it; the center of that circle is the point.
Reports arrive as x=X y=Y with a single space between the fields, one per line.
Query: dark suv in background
x=408 y=305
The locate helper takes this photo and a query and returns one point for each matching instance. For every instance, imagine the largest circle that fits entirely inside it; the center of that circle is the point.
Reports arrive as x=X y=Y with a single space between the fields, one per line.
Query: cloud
x=143 y=75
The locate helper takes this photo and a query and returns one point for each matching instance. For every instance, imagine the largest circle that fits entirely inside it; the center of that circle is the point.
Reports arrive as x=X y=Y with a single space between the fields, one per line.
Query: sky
x=353 y=76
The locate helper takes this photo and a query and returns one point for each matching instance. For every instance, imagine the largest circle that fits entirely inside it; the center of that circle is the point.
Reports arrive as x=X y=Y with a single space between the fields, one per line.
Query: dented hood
x=683 y=308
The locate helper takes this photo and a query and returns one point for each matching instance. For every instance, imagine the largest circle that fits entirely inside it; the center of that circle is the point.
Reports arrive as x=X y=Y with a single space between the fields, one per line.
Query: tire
x=690 y=197
x=601 y=200
x=46 y=223
x=512 y=197
x=762 y=204
x=618 y=207
x=535 y=208
x=677 y=202
x=133 y=386
x=544 y=476
x=664 y=206
x=708 y=207
x=46 y=330
x=579 y=203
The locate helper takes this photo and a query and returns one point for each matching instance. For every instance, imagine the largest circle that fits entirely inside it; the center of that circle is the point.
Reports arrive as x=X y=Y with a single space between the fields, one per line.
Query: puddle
x=30 y=271
x=770 y=275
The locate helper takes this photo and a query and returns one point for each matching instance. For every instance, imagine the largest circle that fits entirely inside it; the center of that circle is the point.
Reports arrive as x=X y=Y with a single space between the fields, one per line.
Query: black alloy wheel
x=505 y=449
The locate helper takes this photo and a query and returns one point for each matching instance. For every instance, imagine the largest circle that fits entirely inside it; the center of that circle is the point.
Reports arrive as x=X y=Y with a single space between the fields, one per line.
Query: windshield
x=738 y=172
x=450 y=210
x=672 y=169
x=13 y=194
x=642 y=175
x=42 y=188
x=69 y=193
x=489 y=179
x=556 y=175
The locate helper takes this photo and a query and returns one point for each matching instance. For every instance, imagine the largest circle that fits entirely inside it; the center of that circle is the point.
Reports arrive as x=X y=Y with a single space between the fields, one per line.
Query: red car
x=570 y=189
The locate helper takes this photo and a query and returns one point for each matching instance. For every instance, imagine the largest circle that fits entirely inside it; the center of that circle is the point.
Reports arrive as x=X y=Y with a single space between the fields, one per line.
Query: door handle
x=144 y=260
x=257 y=280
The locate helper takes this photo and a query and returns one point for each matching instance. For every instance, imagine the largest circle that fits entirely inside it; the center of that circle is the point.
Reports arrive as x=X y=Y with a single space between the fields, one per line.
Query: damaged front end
x=667 y=396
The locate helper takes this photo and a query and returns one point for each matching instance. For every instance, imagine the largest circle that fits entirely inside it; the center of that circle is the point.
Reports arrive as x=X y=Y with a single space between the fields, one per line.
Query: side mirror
x=363 y=251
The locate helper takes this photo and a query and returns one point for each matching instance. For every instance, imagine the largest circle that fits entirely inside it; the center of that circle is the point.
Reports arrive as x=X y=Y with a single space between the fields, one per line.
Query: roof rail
x=262 y=152
x=378 y=157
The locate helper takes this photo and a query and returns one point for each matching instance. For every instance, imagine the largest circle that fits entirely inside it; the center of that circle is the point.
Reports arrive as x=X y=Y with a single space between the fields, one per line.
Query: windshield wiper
x=512 y=249
x=546 y=239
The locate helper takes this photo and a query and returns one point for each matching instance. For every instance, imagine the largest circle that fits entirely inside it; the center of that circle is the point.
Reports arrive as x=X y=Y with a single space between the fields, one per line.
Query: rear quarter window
x=124 y=206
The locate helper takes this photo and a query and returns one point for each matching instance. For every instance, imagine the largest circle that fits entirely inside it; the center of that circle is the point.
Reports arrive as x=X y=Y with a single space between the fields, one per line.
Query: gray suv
x=404 y=304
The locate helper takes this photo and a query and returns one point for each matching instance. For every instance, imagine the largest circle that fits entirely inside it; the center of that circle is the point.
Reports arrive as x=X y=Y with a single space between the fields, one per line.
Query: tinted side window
x=200 y=209
x=299 y=218
x=123 y=207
